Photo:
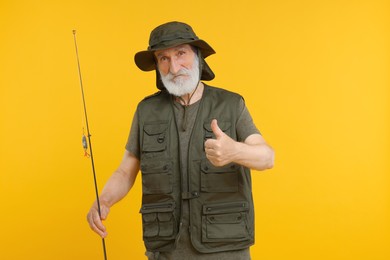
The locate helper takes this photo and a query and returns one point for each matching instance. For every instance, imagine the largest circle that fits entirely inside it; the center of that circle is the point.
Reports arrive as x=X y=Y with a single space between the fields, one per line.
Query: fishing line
x=84 y=139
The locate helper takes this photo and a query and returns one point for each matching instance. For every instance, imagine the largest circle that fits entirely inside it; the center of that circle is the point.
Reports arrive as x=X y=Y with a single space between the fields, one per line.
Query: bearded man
x=195 y=145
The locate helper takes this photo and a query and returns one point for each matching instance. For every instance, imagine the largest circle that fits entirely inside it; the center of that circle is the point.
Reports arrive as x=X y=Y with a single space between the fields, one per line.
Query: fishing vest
x=220 y=198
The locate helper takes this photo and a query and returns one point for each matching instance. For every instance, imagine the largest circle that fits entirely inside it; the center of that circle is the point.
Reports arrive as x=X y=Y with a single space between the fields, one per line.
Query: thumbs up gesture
x=223 y=149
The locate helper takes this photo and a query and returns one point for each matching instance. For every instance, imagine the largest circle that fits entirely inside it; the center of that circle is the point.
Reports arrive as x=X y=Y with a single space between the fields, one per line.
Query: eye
x=181 y=53
x=163 y=58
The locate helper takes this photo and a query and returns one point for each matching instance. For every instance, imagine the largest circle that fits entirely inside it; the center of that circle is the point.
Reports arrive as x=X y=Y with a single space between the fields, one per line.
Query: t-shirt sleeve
x=245 y=126
x=133 y=145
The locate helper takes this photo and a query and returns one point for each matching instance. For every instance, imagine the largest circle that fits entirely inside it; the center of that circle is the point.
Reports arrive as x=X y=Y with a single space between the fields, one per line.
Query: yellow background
x=314 y=74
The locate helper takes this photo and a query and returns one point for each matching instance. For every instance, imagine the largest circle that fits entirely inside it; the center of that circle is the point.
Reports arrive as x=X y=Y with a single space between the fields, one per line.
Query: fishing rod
x=84 y=140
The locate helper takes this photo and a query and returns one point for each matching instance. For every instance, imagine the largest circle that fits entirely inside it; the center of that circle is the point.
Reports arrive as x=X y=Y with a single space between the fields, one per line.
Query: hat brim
x=145 y=59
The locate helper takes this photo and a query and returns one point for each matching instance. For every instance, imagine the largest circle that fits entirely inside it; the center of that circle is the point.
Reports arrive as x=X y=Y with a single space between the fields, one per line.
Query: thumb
x=216 y=130
x=103 y=213
x=104 y=210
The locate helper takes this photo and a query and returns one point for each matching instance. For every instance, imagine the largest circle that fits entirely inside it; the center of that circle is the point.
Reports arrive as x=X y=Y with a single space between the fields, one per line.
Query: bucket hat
x=173 y=34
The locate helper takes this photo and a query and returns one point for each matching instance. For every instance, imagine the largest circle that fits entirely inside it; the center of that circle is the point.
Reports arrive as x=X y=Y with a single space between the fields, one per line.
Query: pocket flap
x=208 y=167
x=149 y=217
x=156 y=166
x=224 y=126
x=155 y=129
x=230 y=218
x=164 y=216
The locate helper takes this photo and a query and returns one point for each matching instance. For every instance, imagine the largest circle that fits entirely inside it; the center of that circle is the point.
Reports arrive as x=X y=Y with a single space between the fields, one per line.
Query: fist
x=221 y=150
x=95 y=221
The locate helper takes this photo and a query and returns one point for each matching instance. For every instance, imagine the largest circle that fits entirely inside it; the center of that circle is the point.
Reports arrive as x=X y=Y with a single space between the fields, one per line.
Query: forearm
x=116 y=188
x=121 y=181
x=254 y=156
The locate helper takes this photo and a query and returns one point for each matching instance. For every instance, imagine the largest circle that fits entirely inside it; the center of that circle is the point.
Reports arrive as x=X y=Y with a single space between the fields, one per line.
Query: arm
x=253 y=153
x=115 y=189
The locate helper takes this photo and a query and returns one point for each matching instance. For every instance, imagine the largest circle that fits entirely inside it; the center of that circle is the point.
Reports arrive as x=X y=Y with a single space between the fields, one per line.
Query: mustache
x=181 y=72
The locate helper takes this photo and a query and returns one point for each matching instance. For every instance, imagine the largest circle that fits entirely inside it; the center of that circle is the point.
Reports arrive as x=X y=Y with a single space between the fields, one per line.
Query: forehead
x=181 y=47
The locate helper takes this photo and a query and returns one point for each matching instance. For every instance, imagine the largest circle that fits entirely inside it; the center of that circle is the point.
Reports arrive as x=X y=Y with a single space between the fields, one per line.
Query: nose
x=174 y=66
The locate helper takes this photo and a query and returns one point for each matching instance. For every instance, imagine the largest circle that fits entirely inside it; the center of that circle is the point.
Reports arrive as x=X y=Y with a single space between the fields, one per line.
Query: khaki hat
x=169 y=35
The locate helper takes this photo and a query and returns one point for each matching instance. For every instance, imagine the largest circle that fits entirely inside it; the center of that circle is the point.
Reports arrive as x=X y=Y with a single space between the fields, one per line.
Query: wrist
x=104 y=201
x=237 y=148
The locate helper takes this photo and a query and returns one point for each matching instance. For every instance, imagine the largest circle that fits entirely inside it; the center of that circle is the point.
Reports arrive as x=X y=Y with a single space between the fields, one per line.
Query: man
x=194 y=145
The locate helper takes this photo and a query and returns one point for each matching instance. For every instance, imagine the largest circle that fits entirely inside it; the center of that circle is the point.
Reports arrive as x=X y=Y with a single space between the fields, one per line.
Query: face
x=179 y=69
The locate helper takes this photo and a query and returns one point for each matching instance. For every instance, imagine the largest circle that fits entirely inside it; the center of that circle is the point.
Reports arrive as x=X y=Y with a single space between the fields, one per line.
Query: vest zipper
x=229 y=206
x=177 y=238
x=166 y=205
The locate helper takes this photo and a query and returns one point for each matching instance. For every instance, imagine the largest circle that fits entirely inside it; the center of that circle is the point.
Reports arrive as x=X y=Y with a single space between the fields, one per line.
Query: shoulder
x=155 y=103
x=223 y=93
x=158 y=93
x=158 y=97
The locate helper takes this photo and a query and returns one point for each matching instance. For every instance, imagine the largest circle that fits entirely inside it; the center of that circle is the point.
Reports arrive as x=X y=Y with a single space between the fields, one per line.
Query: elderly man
x=194 y=145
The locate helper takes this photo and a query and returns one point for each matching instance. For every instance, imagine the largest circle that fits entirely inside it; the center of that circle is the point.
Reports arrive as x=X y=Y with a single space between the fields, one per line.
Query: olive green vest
x=220 y=198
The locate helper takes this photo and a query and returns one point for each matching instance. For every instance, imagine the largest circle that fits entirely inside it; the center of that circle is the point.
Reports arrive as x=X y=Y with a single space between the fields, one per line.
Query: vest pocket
x=154 y=138
x=158 y=221
x=219 y=179
x=208 y=132
x=156 y=177
x=225 y=222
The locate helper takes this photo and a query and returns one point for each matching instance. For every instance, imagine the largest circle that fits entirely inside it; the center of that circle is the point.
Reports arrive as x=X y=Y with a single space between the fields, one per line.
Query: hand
x=95 y=222
x=222 y=150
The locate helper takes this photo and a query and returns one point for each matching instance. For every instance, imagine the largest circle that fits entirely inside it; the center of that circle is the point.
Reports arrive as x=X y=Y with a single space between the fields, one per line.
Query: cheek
x=189 y=63
x=163 y=68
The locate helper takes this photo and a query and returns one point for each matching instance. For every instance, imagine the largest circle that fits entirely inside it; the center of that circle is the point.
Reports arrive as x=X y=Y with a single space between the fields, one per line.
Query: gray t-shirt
x=185 y=118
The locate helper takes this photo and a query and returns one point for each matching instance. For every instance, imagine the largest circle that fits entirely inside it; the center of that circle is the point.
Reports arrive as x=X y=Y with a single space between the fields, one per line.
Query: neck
x=193 y=97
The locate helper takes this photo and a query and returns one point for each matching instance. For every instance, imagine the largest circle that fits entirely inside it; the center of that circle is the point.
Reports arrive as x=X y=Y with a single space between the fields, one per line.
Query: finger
x=101 y=233
x=211 y=152
x=216 y=160
x=216 y=130
x=209 y=157
x=96 y=224
x=210 y=144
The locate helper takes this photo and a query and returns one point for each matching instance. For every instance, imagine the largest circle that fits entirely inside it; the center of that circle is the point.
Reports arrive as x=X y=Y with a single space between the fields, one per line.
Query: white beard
x=181 y=86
